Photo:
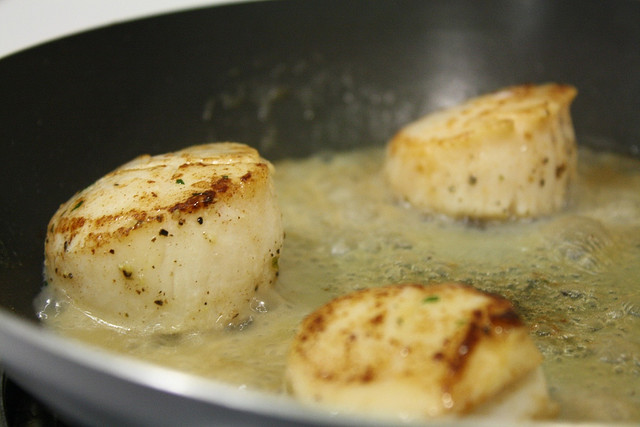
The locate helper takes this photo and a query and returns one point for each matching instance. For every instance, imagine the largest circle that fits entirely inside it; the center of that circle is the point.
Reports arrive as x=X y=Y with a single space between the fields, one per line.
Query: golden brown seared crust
x=422 y=351
x=136 y=201
x=169 y=242
x=511 y=153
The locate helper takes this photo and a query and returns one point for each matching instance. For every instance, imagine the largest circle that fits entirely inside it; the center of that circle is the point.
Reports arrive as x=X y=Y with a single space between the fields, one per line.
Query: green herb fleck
x=431 y=298
x=77 y=205
x=179 y=181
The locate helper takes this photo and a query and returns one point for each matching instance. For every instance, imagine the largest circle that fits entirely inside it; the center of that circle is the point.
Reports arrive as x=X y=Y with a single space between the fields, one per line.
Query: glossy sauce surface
x=574 y=278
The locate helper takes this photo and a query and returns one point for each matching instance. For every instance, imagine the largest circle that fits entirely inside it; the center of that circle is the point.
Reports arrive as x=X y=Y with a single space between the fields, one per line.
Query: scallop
x=507 y=154
x=418 y=352
x=171 y=242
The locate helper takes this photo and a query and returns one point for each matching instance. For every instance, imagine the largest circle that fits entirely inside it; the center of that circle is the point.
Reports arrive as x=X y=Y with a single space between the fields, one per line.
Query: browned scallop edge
x=219 y=189
x=499 y=315
x=496 y=318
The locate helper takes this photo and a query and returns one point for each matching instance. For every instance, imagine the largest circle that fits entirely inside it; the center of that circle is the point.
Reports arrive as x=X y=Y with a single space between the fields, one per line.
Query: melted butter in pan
x=574 y=278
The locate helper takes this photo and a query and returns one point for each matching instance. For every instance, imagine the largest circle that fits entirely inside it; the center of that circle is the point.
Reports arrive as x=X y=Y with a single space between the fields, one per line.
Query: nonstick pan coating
x=288 y=77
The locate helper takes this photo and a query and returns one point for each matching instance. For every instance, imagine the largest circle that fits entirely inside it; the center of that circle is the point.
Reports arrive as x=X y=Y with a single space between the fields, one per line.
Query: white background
x=26 y=23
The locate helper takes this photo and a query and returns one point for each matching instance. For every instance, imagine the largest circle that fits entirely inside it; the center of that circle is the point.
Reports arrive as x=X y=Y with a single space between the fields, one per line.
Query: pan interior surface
x=291 y=78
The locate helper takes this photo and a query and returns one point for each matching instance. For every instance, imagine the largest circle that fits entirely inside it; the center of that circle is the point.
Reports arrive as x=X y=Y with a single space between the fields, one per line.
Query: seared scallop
x=418 y=352
x=508 y=154
x=171 y=242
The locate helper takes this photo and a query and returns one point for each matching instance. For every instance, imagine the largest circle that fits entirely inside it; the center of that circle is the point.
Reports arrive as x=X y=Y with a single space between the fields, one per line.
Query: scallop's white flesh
x=171 y=242
x=418 y=352
x=508 y=154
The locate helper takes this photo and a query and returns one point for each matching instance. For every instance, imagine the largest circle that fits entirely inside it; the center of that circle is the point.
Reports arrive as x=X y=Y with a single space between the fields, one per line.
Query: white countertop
x=27 y=23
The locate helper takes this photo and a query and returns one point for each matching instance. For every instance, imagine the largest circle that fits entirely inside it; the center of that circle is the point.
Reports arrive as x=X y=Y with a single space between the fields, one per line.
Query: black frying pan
x=74 y=109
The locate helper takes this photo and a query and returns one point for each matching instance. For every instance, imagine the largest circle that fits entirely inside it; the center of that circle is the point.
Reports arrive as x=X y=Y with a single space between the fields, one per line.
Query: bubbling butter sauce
x=573 y=276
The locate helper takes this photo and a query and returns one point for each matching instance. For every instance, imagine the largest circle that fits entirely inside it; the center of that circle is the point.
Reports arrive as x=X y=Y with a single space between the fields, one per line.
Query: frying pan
x=289 y=78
